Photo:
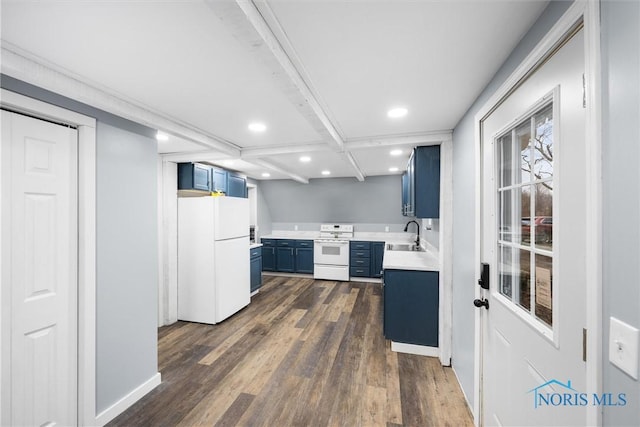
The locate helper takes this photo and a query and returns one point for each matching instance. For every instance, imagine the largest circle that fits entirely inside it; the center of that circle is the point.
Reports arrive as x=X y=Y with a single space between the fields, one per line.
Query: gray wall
x=127 y=265
x=464 y=279
x=375 y=202
x=620 y=39
x=127 y=248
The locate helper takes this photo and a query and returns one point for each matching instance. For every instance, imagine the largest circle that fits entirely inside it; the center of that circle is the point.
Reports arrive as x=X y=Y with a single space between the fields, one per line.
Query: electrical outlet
x=623 y=346
x=386 y=228
x=295 y=228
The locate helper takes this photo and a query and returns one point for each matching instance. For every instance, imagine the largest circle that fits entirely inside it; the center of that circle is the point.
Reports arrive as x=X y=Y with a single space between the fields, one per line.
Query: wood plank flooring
x=304 y=353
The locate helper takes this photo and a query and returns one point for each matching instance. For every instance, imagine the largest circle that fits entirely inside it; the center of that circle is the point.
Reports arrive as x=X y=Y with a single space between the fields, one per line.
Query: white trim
x=589 y=12
x=593 y=136
x=168 y=283
x=446 y=251
x=86 y=240
x=123 y=404
x=420 y=350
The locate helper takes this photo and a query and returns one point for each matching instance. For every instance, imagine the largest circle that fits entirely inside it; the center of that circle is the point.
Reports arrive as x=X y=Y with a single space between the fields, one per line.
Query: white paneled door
x=533 y=238
x=39 y=271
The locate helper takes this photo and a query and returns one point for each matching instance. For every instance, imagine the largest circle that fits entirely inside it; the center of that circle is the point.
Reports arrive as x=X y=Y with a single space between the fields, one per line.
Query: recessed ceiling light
x=393 y=169
x=266 y=174
x=162 y=136
x=305 y=159
x=257 y=127
x=326 y=172
x=395 y=152
x=395 y=113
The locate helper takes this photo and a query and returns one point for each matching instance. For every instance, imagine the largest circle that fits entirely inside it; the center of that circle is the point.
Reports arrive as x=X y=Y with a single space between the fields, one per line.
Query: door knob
x=481 y=303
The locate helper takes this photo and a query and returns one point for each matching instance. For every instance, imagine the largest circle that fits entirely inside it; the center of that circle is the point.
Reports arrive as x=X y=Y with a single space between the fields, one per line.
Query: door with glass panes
x=533 y=237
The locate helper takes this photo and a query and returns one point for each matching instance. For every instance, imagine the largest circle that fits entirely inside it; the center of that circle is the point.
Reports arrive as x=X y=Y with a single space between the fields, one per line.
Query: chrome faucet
x=406 y=227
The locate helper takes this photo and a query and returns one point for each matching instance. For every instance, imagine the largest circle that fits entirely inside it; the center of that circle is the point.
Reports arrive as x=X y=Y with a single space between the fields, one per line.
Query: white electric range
x=331 y=252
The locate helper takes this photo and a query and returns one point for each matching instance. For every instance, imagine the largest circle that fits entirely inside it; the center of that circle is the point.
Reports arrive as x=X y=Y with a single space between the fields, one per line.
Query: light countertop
x=404 y=260
x=255 y=245
x=428 y=260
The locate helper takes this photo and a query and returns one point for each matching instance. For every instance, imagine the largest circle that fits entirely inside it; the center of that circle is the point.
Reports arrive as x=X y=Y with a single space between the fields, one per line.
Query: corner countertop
x=429 y=260
x=255 y=245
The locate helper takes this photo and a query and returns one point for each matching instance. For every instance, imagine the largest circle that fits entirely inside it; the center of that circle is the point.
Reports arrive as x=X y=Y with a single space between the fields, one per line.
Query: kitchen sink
x=405 y=247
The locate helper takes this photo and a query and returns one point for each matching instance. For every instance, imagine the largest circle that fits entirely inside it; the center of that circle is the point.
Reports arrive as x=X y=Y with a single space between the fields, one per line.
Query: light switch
x=623 y=346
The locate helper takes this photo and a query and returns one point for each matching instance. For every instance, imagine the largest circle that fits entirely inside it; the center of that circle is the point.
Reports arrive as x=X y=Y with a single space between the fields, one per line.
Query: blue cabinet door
x=377 y=255
x=194 y=176
x=427 y=182
x=304 y=260
x=219 y=180
x=268 y=255
x=256 y=273
x=285 y=259
x=285 y=255
x=411 y=307
x=405 y=193
x=236 y=185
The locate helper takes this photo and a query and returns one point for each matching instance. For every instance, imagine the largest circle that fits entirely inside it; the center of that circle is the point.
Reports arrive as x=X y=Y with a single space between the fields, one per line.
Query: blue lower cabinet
x=304 y=256
x=285 y=259
x=256 y=268
x=411 y=306
x=365 y=259
x=377 y=257
x=268 y=254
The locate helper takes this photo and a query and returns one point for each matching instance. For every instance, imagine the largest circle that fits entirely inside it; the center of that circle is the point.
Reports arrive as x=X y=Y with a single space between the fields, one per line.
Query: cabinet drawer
x=268 y=242
x=359 y=271
x=360 y=262
x=360 y=253
x=255 y=252
x=360 y=246
x=304 y=243
x=285 y=243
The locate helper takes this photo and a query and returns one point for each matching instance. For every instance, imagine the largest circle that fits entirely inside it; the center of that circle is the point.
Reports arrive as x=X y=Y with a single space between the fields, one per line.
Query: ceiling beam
x=39 y=72
x=354 y=164
x=194 y=156
x=255 y=25
x=281 y=170
x=248 y=153
x=425 y=138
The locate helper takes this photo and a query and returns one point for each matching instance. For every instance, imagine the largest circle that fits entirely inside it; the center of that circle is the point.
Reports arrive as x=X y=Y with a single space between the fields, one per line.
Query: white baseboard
x=123 y=404
x=420 y=350
x=466 y=398
x=365 y=279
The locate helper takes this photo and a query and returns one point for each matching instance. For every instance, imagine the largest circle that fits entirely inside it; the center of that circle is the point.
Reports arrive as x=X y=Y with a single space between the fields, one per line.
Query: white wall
x=620 y=38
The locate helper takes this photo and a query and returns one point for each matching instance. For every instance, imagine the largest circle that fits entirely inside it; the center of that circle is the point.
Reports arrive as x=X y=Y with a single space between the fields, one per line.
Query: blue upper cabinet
x=194 y=176
x=236 y=185
x=219 y=180
x=421 y=183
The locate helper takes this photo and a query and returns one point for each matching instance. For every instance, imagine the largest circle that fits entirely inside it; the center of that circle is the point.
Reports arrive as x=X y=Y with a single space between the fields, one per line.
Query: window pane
x=505 y=161
x=506 y=276
x=524 y=292
x=523 y=135
x=544 y=216
x=525 y=215
x=506 y=226
x=543 y=144
x=544 y=288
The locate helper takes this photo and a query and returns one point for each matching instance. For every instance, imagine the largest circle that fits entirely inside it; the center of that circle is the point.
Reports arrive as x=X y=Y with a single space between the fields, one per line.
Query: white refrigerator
x=213 y=258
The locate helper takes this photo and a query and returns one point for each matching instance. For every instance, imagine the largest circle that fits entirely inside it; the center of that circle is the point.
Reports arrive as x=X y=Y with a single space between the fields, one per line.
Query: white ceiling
x=320 y=74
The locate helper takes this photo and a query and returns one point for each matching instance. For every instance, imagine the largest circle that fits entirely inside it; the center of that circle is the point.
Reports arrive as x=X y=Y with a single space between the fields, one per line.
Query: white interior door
x=533 y=237
x=39 y=271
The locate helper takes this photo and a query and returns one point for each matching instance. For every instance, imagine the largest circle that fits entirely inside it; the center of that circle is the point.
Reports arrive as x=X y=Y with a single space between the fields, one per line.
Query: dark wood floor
x=304 y=353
